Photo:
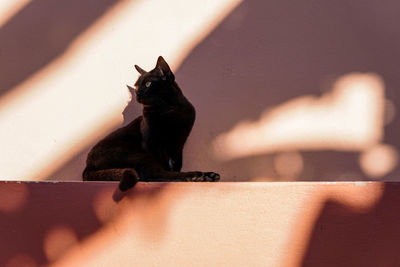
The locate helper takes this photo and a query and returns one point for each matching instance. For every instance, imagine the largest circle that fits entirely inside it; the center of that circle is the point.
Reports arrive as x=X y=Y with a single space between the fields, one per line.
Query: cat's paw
x=211 y=176
x=205 y=177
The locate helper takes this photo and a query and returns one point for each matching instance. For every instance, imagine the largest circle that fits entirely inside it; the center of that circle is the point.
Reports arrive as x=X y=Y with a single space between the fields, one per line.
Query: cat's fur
x=150 y=147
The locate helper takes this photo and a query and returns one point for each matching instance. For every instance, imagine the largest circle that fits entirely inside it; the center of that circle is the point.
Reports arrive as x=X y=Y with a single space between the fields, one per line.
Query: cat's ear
x=164 y=69
x=140 y=70
x=130 y=88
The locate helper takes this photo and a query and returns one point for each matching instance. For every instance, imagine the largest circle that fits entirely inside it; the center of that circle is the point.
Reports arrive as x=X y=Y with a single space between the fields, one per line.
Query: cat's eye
x=147 y=84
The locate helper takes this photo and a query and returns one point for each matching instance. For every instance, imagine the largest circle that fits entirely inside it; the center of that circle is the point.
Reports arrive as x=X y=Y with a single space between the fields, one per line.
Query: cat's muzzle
x=139 y=96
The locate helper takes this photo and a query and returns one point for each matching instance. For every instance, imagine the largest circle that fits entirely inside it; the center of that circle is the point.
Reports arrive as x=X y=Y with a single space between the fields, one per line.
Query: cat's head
x=154 y=87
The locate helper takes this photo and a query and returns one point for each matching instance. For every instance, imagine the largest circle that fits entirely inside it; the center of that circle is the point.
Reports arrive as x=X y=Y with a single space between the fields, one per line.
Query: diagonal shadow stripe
x=40 y=33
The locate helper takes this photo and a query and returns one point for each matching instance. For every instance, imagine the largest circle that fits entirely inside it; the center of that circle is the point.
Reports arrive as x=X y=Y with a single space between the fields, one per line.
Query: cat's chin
x=145 y=105
x=139 y=100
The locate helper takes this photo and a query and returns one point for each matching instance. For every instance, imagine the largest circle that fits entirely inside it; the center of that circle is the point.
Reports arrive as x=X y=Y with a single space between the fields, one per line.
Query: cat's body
x=150 y=147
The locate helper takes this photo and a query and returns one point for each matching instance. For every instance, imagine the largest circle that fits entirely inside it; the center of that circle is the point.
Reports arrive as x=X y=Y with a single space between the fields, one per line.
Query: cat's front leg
x=195 y=176
x=169 y=176
x=175 y=162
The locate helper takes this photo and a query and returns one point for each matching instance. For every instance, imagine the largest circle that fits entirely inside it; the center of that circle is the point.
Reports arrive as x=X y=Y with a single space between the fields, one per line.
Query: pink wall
x=252 y=65
x=266 y=54
x=202 y=224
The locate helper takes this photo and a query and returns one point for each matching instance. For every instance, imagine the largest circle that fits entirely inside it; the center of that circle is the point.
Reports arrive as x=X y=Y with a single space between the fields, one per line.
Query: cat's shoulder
x=128 y=132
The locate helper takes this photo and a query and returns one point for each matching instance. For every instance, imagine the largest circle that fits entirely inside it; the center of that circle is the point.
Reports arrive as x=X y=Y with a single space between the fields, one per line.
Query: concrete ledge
x=200 y=224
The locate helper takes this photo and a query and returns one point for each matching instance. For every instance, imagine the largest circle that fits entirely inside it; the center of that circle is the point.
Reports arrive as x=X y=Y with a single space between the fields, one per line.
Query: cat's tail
x=127 y=177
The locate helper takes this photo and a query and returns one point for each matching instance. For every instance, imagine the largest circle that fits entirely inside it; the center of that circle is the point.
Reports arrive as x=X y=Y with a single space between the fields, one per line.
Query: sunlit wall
x=55 y=105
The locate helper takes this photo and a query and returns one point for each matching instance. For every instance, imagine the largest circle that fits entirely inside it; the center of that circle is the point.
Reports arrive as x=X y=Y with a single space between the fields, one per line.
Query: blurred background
x=284 y=91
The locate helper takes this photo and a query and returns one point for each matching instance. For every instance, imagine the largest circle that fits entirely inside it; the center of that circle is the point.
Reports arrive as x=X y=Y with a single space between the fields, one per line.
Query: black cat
x=150 y=147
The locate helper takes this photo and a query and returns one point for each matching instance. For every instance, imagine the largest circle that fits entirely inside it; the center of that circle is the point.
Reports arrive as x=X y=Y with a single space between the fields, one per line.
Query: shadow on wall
x=271 y=52
x=268 y=54
x=58 y=221
x=348 y=118
x=339 y=224
x=41 y=32
x=61 y=228
x=346 y=237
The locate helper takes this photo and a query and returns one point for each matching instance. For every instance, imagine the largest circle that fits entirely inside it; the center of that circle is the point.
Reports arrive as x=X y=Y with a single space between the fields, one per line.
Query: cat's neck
x=179 y=99
x=182 y=110
x=176 y=103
